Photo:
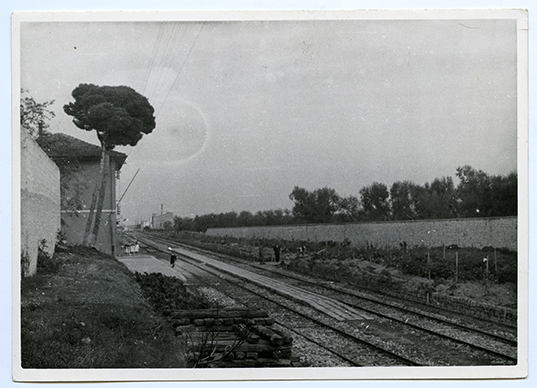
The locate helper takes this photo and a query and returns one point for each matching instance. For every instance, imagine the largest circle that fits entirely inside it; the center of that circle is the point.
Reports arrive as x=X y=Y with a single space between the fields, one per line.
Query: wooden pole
x=429 y=264
x=495 y=263
x=456 y=267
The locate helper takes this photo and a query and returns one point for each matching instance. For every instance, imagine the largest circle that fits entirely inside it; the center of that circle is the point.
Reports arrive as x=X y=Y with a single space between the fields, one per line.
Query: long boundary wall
x=40 y=201
x=468 y=232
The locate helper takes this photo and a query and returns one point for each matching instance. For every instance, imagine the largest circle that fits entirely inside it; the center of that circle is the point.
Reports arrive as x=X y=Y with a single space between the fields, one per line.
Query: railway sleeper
x=224 y=336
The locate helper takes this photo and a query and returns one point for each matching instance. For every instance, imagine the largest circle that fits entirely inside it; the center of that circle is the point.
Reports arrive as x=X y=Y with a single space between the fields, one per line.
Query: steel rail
x=386 y=352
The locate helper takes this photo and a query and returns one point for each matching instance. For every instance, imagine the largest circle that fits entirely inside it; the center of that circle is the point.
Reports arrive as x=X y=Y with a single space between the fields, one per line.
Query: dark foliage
x=477 y=195
x=168 y=293
x=119 y=114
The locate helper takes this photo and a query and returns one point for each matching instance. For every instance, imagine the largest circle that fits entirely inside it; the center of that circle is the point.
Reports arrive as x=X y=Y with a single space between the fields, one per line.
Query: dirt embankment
x=87 y=311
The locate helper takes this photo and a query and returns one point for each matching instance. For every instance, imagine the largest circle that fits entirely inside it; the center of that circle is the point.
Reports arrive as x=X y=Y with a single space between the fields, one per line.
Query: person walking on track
x=173 y=258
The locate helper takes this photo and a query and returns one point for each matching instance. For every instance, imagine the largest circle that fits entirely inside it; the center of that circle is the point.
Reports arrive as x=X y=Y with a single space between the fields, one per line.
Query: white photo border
x=284 y=374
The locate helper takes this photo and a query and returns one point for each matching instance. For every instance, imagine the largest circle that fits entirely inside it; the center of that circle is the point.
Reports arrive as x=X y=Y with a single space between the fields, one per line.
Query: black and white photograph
x=270 y=195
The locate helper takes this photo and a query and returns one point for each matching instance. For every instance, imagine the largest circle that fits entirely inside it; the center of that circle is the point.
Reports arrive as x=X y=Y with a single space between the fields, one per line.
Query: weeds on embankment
x=84 y=309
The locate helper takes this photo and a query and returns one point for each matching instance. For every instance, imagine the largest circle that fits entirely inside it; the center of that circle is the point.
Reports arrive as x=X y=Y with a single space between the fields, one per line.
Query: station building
x=79 y=164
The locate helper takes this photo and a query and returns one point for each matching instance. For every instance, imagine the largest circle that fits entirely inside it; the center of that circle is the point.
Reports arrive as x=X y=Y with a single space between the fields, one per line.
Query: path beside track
x=146 y=263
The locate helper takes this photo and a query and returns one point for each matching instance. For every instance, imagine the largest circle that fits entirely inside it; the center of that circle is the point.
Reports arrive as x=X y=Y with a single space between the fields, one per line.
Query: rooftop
x=60 y=145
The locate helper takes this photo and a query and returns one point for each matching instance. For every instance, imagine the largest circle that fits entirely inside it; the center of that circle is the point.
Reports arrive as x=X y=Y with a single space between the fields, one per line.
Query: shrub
x=25 y=264
x=167 y=292
x=47 y=264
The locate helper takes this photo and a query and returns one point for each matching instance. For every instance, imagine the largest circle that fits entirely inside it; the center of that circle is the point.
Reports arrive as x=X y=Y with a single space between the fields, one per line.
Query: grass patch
x=89 y=312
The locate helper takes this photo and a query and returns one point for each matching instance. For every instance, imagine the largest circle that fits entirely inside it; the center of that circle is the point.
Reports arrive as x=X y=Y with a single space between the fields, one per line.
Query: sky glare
x=246 y=110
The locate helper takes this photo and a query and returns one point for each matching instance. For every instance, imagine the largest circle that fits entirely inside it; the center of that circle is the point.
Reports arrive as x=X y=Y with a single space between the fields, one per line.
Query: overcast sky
x=245 y=111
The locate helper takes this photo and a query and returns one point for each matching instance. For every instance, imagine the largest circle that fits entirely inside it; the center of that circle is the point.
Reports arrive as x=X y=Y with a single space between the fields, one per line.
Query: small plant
x=46 y=263
x=25 y=264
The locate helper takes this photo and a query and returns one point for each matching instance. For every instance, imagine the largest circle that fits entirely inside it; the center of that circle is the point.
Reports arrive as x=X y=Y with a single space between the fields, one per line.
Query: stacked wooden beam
x=233 y=338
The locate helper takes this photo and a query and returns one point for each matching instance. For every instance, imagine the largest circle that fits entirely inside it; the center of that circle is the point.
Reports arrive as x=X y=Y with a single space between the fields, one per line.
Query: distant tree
x=303 y=209
x=348 y=209
x=181 y=224
x=316 y=207
x=482 y=195
x=269 y=217
x=403 y=200
x=504 y=200
x=203 y=222
x=226 y=220
x=435 y=200
x=473 y=191
x=375 y=202
x=34 y=116
x=443 y=198
x=283 y=217
x=120 y=116
x=245 y=218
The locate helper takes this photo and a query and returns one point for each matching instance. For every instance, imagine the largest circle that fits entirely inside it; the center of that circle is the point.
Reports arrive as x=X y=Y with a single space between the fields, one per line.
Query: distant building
x=158 y=221
x=79 y=176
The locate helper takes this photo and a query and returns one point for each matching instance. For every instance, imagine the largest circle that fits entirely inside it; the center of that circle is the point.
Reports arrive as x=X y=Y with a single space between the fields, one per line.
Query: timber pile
x=226 y=338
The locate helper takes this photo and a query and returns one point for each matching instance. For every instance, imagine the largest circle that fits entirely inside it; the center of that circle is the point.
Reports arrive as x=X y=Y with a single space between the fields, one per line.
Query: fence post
x=456 y=267
x=429 y=264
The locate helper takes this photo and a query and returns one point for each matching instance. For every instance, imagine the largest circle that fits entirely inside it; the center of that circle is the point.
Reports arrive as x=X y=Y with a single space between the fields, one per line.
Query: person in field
x=277 y=251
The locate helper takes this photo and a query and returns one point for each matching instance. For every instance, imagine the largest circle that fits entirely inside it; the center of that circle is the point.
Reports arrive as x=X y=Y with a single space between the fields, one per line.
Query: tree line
x=476 y=195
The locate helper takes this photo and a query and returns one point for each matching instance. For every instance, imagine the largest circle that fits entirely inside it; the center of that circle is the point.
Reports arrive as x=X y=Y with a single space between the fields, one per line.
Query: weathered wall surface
x=74 y=222
x=469 y=232
x=40 y=201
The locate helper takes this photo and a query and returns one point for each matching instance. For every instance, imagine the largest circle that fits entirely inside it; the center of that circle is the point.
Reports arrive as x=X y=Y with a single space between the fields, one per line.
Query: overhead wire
x=167 y=52
x=152 y=59
x=162 y=57
x=182 y=66
x=170 y=49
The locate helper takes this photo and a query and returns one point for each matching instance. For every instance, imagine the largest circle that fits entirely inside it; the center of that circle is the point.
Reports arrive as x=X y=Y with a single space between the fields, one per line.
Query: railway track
x=496 y=331
x=349 y=349
x=396 y=331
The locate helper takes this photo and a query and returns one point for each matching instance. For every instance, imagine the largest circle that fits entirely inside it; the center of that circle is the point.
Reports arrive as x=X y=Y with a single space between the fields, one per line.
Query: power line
x=182 y=66
x=152 y=59
x=162 y=57
x=165 y=59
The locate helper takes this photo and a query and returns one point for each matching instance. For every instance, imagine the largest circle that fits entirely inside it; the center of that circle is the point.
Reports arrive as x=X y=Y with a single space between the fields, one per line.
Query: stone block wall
x=40 y=202
x=468 y=232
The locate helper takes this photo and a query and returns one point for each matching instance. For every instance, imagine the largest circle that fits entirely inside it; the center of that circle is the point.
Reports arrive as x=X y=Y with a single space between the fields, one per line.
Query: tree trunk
x=87 y=241
x=105 y=162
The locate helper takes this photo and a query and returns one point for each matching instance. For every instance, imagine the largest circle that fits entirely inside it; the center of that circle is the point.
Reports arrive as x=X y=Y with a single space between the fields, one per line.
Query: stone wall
x=468 y=232
x=40 y=202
